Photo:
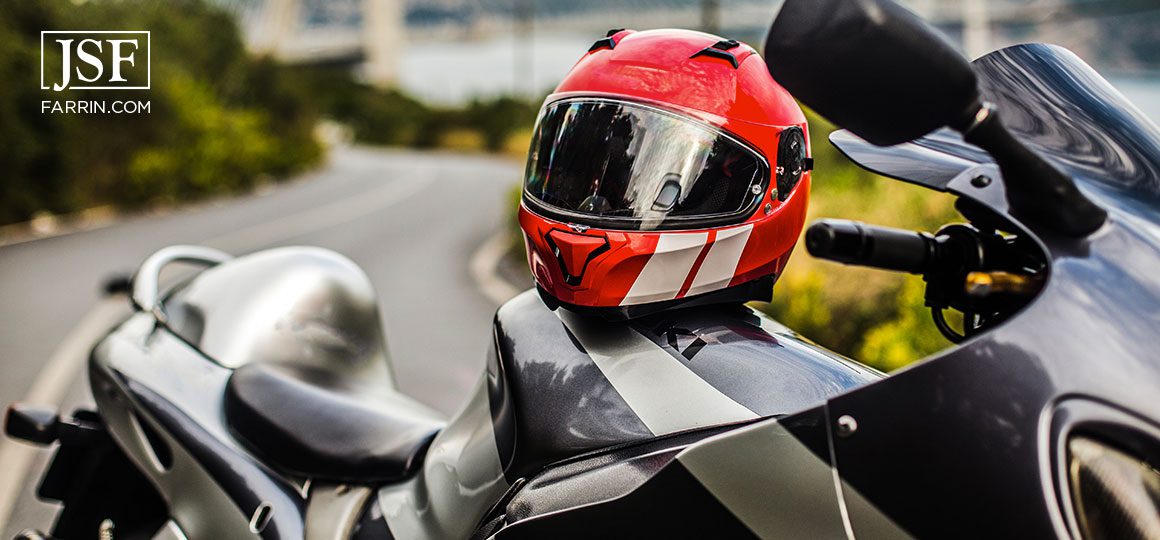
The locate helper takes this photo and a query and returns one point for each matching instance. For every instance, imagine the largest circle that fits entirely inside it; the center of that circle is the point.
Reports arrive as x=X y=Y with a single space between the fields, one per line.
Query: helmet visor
x=621 y=165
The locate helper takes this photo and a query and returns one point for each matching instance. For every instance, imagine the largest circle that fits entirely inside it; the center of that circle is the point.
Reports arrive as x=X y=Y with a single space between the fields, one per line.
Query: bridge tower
x=277 y=30
x=276 y=24
x=383 y=28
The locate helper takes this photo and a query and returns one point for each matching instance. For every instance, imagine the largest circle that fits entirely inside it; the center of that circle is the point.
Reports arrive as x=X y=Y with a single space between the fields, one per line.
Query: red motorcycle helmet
x=668 y=168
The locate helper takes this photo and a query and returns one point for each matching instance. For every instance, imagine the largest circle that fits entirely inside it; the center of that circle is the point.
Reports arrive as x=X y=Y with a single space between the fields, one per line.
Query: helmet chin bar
x=759 y=289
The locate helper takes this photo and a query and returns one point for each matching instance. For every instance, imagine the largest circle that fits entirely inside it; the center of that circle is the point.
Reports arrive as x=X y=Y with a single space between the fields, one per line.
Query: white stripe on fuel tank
x=664 y=394
x=769 y=480
x=721 y=262
x=779 y=488
x=666 y=270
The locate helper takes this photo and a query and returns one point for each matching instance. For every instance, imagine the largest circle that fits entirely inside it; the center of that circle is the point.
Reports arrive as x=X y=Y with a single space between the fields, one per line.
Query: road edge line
x=484 y=267
x=48 y=389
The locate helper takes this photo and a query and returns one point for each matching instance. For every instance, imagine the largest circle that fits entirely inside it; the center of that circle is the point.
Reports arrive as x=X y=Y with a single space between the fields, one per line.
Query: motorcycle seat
x=316 y=424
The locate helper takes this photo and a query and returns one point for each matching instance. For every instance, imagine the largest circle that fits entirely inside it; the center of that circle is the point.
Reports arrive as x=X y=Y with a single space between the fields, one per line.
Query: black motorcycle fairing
x=756 y=362
x=964 y=429
x=693 y=514
x=812 y=429
x=633 y=491
x=1062 y=109
x=319 y=425
x=550 y=401
x=960 y=438
x=964 y=438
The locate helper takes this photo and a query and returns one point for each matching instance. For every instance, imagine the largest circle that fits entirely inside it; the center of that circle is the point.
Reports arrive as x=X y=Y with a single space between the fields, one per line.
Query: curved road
x=411 y=220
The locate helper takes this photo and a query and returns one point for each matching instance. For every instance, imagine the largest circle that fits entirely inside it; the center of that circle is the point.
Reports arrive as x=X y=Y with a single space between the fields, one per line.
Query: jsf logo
x=94 y=60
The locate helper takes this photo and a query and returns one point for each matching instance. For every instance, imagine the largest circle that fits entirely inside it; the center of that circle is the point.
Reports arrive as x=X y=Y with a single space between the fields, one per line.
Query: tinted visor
x=626 y=166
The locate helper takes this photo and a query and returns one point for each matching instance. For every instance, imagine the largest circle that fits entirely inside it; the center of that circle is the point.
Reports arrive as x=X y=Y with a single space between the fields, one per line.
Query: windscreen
x=1071 y=115
x=1062 y=109
x=627 y=166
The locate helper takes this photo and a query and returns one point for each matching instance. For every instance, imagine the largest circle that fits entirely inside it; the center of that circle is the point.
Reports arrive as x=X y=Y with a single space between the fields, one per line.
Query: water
x=455 y=72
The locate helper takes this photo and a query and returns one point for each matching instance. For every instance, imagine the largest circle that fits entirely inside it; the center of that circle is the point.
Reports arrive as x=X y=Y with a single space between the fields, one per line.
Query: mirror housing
x=870 y=66
x=878 y=70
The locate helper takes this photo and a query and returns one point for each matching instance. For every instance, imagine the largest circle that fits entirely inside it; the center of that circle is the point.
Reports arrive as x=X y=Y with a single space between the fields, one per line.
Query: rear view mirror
x=876 y=69
x=872 y=67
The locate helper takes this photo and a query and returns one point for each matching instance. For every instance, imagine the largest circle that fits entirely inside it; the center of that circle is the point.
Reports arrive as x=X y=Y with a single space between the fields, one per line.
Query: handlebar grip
x=851 y=242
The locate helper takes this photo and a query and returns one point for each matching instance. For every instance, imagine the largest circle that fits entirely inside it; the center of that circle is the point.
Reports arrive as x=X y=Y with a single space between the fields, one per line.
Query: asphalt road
x=411 y=220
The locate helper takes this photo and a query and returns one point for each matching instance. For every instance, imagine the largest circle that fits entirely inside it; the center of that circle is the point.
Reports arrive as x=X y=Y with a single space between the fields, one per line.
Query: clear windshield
x=629 y=166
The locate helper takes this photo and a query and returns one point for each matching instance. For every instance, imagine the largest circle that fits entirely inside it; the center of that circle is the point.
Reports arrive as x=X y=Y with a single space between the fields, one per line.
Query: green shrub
x=907 y=336
x=388 y=117
x=500 y=118
x=209 y=148
x=874 y=316
x=391 y=117
x=218 y=119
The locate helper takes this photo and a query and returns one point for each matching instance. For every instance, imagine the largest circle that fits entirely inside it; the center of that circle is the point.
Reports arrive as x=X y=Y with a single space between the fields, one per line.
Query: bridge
x=371 y=33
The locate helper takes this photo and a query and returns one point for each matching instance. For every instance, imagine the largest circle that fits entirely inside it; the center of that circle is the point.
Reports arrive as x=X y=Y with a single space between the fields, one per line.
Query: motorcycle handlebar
x=851 y=242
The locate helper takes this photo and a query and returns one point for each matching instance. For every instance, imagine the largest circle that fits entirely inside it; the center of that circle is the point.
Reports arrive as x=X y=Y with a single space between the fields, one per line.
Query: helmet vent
x=721 y=50
x=608 y=41
x=603 y=43
x=574 y=251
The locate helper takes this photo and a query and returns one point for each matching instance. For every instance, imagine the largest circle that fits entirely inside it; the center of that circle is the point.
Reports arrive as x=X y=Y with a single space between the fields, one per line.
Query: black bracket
x=45 y=426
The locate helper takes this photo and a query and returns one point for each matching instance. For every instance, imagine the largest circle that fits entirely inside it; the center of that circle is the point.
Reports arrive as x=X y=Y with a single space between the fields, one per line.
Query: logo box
x=96 y=60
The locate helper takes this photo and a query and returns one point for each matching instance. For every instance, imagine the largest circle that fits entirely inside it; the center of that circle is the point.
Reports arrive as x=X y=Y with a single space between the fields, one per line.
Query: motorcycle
x=256 y=399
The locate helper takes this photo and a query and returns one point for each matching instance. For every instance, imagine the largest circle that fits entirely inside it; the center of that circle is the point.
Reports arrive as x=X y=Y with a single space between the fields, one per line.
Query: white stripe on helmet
x=720 y=264
x=665 y=272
